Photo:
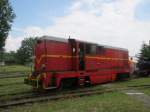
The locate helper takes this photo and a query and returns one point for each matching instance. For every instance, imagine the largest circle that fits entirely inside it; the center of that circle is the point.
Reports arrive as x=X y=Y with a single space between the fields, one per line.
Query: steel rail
x=12 y=76
x=47 y=97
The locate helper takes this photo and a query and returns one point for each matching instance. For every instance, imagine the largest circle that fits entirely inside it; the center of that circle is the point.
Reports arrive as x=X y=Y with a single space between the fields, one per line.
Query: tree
x=6 y=18
x=10 y=57
x=144 y=60
x=25 y=52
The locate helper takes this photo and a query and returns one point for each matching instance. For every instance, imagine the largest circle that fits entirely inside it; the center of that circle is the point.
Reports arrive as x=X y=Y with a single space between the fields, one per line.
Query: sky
x=120 y=23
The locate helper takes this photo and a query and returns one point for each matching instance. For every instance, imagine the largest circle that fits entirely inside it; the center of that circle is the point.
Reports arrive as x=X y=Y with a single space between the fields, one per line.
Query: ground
x=10 y=86
x=109 y=102
x=139 y=84
x=117 y=101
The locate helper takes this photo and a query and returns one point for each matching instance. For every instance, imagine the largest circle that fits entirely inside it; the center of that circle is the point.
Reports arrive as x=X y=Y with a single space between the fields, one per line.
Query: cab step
x=53 y=87
x=87 y=81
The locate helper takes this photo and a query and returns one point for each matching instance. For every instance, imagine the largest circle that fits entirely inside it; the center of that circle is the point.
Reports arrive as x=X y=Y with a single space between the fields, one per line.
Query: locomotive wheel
x=122 y=76
x=69 y=83
x=39 y=90
x=87 y=84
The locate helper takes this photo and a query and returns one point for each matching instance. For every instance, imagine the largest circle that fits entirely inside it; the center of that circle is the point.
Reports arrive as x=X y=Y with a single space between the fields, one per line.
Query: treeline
x=23 y=55
x=144 y=60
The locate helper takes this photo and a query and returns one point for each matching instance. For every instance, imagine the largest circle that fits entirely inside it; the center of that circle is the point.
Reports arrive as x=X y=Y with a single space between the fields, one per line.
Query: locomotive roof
x=66 y=40
x=53 y=38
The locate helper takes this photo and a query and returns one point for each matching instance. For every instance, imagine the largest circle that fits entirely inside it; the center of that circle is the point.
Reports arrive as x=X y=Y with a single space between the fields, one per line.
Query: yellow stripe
x=103 y=58
x=68 y=56
x=53 y=56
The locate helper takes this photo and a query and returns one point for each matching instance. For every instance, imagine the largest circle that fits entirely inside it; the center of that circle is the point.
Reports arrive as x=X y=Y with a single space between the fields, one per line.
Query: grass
x=146 y=91
x=7 y=81
x=11 y=86
x=134 y=82
x=108 y=102
x=14 y=69
x=15 y=89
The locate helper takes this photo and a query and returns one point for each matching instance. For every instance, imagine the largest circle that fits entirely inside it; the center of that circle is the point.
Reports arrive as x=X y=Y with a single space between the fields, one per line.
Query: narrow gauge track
x=36 y=93
x=15 y=83
x=32 y=93
x=11 y=76
x=52 y=96
x=140 y=86
x=32 y=97
x=28 y=94
x=24 y=93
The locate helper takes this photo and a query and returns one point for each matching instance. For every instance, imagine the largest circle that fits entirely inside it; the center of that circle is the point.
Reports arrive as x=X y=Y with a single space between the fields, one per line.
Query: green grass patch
x=146 y=91
x=132 y=82
x=108 y=102
x=14 y=68
x=13 y=86
x=14 y=89
x=11 y=81
x=7 y=91
x=10 y=86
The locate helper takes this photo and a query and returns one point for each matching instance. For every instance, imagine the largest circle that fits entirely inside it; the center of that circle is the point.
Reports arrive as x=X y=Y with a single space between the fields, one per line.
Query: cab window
x=90 y=49
x=100 y=50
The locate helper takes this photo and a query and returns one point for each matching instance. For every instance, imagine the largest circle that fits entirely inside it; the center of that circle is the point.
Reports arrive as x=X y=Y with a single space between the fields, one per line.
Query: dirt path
x=139 y=96
x=136 y=94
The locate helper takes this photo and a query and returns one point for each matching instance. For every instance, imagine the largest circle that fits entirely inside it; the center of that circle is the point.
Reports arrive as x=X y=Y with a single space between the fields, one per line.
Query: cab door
x=74 y=51
x=78 y=55
x=81 y=56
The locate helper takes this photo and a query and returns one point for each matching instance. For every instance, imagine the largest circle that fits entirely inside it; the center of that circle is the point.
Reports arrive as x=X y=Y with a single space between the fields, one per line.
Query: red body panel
x=60 y=59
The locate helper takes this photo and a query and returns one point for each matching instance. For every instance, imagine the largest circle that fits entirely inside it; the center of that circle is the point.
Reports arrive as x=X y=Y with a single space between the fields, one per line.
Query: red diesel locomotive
x=68 y=62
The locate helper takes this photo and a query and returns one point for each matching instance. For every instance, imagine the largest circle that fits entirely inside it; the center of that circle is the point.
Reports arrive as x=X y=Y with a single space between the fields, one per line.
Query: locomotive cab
x=54 y=55
x=35 y=77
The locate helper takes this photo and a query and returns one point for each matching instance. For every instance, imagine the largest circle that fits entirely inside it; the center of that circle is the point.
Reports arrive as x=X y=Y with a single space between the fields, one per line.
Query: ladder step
x=81 y=84
x=53 y=87
x=87 y=81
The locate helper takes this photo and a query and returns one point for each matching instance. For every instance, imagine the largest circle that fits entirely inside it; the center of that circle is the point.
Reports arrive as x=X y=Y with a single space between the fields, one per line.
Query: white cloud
x=12 y=44
x=33 y=31
x=112 y=23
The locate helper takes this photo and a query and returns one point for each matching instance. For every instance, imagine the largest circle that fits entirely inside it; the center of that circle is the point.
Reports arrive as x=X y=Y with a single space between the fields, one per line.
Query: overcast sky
x=120 y=23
